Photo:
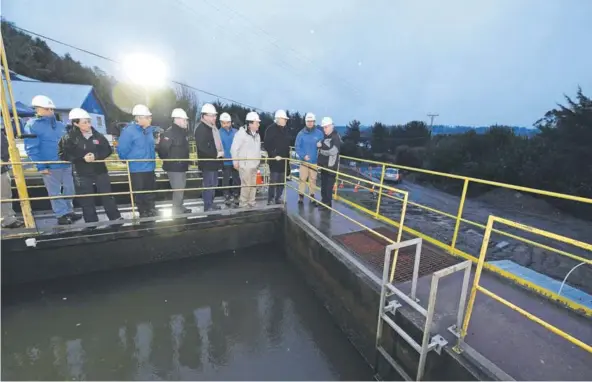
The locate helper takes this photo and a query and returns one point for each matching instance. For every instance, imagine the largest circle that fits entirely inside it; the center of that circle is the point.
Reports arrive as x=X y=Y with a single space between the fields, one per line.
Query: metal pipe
x=460 y=212
x=17 y=169
x=380 y=191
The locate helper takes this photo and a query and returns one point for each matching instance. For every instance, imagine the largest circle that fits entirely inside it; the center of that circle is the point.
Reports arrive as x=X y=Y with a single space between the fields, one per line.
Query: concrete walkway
x=521 y=348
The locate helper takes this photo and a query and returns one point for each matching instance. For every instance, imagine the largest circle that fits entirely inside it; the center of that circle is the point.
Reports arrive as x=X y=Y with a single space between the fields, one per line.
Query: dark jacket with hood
x=74 y=146
x=174 y=144
x=277 y=143
x=329 y=151
x=206 y=148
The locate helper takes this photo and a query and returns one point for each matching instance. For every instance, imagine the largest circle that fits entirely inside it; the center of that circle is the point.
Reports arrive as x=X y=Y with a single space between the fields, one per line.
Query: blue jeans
x=54 y=181
x=210 y=179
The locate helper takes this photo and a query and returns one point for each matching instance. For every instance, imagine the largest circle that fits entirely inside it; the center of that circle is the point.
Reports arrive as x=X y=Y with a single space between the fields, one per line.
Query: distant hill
x=366 y=131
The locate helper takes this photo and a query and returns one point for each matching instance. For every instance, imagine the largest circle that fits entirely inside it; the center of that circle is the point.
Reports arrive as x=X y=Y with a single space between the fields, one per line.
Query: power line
x=274 y=41
x=119 y=63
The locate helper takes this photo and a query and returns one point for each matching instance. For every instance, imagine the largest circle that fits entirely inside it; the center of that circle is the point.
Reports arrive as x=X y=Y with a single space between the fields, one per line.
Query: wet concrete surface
x=234 y=316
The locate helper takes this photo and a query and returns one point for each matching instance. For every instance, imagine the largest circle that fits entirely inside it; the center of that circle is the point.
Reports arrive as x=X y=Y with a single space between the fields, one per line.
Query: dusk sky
x=473 y=62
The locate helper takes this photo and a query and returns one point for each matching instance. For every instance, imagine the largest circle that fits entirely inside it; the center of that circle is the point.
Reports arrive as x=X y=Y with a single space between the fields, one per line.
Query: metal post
x=460 y=212
x=337 y=179
x=9 y=86
x=379 y=192
x=400 y=234
x=387 y=258
x=428 y=324
x=17 y=168
x=286 y=163
x=131 y=191
x=463 y=330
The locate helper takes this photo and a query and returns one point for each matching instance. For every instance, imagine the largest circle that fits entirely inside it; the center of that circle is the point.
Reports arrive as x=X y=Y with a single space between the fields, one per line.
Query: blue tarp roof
x=22 y=109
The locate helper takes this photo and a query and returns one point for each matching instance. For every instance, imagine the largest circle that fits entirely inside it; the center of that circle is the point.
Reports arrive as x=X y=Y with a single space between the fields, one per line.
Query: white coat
x=246 y=145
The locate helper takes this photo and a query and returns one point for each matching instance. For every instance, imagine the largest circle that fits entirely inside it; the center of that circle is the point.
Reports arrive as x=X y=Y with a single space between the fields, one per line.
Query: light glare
x=145 y=70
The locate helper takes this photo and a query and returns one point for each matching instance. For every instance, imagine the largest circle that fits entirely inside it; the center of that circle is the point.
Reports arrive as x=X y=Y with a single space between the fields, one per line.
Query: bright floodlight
x=145 y=70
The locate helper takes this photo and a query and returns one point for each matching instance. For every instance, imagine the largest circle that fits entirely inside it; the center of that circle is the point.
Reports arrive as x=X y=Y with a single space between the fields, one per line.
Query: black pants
x=230 y=178
x=275 y=192
x=144 y=181
x=84 y=184
x=327 y=183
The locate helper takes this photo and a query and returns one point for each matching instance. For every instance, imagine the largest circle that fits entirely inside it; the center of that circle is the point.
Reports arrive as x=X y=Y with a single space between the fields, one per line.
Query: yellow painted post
x=131 y=191
x=337 y=179
x=9 y=86
x=286 y=163
x=17 y=168
x=461 y=206
x=399 y=235
x=379 y=192
x=469 y=311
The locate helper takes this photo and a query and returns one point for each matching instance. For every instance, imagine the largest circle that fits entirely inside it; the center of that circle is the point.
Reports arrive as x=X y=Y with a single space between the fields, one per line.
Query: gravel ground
x=504 y=203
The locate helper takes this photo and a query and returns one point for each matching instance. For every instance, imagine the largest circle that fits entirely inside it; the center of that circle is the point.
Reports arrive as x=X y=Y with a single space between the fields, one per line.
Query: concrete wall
x=70 y=254
x=352 y=297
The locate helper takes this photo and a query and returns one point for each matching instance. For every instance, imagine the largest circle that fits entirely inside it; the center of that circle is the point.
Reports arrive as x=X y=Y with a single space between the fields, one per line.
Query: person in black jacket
x=174 y=144
x=209 y=146
x=277 y=145
x=9 y=219
x=82 y=146
x=329 y=149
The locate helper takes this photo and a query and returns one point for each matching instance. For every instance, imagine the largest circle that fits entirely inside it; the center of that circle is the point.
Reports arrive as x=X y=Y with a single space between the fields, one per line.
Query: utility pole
x=432 y=116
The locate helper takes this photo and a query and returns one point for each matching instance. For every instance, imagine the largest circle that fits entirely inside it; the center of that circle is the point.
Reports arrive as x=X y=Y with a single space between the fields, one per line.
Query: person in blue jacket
x=137 y=141
x=307 y=151
x=43 y=134
x=230 y=175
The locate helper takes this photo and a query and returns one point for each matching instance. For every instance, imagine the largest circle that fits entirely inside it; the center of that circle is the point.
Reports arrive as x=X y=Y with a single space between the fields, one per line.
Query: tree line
x=558 y=158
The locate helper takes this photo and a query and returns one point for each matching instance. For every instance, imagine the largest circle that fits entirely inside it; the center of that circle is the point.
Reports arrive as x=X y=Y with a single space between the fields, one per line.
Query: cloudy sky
x=472 y=62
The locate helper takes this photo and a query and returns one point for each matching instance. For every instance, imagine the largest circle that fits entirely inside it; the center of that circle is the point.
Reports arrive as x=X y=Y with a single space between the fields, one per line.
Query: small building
x=64 y=96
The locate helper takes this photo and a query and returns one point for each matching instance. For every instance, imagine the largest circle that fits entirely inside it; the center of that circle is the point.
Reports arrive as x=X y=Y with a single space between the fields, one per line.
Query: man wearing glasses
x=41 y=144
x=137 y=141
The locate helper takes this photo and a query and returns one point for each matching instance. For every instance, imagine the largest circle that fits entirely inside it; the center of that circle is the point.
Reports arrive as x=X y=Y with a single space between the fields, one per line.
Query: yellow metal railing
x=477 y=287
x=451 y=247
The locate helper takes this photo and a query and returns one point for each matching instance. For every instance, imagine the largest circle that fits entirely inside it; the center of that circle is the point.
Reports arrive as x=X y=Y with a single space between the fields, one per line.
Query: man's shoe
x=269 y=202
x=64 y=220
x=313 y=201
x=300 y=199
x=14 y=224
x=278 y=201
x=228 y=201
x=74 y=217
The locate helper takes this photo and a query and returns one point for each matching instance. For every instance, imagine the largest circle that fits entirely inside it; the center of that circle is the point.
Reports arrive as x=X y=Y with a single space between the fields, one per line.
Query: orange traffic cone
x=341 y=185
x=334 y=187
x=357 y=186
x=390 y=192
x=259 y=177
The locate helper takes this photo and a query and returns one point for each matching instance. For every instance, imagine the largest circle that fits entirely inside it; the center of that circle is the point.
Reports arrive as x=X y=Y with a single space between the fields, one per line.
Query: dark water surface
x=222 y=317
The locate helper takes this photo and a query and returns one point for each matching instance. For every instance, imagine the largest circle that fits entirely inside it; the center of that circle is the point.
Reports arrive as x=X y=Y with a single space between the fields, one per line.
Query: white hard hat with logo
x=179 y=113
x=281 y=114
x=225 y=117
x=253 y=117
x=78 y=113
x=141 y=111
x=326 y=121
x=310 y=117
x=42 y=101
x=208 y=108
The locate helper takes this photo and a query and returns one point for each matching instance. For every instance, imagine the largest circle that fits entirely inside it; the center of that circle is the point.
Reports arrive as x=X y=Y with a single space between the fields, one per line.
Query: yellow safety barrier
x=451 y=248
x=382 y=187
x=480 y=264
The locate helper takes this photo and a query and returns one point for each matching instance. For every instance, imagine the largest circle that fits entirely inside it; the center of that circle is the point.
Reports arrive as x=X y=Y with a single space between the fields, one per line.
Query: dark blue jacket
x=306 y=144
x=136 y=142
x=44 y=146
x=227 y=136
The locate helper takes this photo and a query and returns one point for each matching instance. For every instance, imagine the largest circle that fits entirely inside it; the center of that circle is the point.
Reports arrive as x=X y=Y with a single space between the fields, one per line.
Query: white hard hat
x=253 y=117
x=42 y=101
x=310 y=117
x=179 y=113
x=141 y=111
x=208 y=108
x=281 y=114
x=78 y=113
x=326 y=121
x=225 y=117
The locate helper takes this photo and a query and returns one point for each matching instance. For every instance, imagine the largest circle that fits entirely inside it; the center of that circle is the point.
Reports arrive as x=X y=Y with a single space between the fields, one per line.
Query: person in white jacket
x=247 y=145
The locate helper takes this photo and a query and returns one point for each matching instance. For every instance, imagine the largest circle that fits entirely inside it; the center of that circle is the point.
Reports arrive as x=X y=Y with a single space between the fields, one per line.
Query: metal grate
x=370 y=249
